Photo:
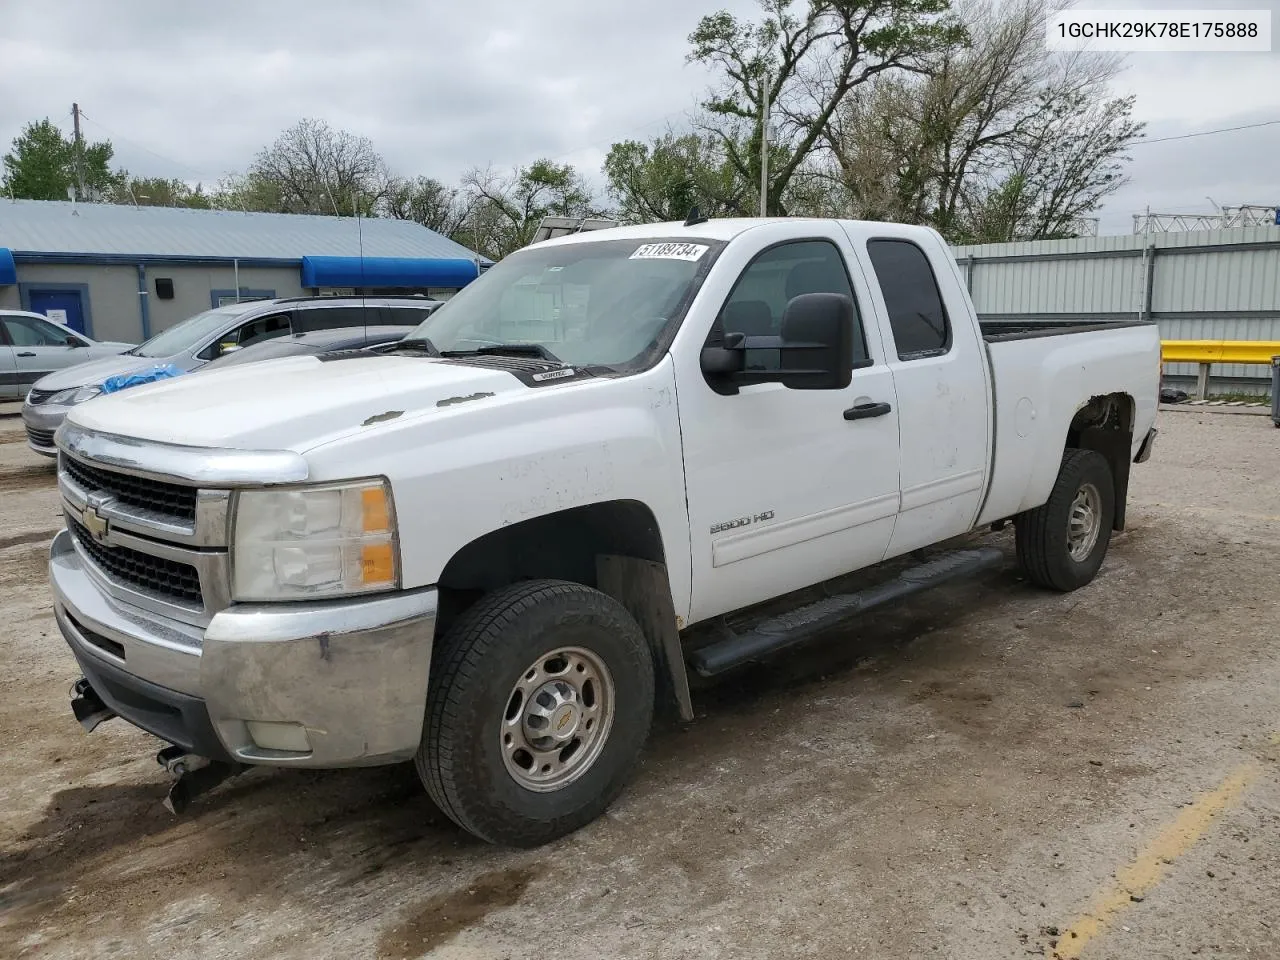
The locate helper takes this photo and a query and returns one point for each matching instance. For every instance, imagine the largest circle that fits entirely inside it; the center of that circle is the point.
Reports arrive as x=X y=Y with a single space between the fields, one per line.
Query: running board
x=796 y=626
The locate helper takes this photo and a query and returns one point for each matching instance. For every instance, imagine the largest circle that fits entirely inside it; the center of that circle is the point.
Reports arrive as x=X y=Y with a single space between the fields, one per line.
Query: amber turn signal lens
x=373 y=504
x=377 y=563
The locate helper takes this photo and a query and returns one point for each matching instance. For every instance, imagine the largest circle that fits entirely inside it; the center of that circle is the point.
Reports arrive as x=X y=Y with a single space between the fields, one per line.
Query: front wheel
x=540 y=701
x=1061 y=544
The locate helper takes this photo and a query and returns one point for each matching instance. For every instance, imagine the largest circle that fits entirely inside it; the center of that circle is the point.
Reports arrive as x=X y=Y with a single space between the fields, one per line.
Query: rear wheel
x=1061 y=544
x=541 y=698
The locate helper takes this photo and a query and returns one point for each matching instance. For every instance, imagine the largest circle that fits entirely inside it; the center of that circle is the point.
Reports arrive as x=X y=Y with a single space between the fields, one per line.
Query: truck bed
x=1041 y=375
x=1001 y=331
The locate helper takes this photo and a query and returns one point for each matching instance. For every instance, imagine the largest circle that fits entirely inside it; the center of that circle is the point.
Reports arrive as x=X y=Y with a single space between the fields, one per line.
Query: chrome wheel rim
x=557 y=718
x=1084 y=522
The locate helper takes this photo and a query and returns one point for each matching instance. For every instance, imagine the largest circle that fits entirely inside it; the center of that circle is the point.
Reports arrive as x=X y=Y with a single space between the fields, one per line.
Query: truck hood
x=94 y=370
x=294 y=403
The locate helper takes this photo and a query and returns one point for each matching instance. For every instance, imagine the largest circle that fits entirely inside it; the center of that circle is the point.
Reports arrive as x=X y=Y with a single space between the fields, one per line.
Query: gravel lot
x=980 y=774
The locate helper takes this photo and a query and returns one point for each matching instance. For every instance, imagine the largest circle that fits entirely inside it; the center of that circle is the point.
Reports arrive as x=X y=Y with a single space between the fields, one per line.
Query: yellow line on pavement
x=1135 y=879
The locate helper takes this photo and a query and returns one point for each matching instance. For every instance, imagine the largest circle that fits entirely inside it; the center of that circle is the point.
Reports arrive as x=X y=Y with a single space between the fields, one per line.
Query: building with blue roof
x=118 y=272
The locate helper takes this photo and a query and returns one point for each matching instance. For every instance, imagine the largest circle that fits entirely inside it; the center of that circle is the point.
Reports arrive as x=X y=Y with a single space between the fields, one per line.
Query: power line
x=115 y=136
x=1206 y=133
x=632 y=130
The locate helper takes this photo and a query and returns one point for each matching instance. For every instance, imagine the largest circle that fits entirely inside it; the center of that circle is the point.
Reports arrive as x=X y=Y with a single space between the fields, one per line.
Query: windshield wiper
x=416 y=344
x=507 y=349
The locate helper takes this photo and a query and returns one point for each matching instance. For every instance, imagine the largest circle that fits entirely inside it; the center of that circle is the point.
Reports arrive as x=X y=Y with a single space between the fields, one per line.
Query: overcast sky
x=193 y=91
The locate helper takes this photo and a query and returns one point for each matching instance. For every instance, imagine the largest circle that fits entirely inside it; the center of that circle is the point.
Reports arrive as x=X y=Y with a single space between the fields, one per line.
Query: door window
x=256 y=330
x=776 y=277
x=398 y=316
x=911 y=296
x=333 y=318
x=30 y=332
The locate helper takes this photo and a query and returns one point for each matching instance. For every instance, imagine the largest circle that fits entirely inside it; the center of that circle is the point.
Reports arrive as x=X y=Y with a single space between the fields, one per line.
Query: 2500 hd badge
x=741 y=522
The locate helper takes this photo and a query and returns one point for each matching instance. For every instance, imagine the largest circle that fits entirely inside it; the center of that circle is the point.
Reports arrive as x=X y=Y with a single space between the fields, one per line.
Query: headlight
x=76 y=394
x=314 y=542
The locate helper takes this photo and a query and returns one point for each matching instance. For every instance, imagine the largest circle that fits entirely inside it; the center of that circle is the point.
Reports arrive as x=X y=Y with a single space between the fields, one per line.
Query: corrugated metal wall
x=1205 y=285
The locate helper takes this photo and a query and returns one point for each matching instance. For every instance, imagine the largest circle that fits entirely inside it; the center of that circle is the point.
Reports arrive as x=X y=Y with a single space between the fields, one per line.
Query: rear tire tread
x=1041 y=534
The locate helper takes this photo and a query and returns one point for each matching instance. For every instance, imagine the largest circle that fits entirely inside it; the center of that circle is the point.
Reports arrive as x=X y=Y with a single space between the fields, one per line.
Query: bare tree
x=980 y=127
x=429 y=202
x=312 y=168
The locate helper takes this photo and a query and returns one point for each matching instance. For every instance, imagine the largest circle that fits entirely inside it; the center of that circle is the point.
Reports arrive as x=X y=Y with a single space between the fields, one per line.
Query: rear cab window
x=917 y=317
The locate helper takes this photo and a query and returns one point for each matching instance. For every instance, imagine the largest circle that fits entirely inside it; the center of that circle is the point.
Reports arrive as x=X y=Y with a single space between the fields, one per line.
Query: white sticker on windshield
x=670 y=251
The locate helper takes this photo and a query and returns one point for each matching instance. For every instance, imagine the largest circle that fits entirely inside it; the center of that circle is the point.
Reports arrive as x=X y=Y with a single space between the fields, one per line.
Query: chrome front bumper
x=349 y=677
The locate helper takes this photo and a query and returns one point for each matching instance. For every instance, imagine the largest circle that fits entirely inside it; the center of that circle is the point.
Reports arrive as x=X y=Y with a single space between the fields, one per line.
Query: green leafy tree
x=43 y=164
x=664 y=179
x=504 y=210
x=159 y=192
x=805 y=60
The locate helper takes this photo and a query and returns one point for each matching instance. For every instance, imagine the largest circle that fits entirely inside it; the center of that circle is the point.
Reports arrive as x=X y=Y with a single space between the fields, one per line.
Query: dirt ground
x=988 y=772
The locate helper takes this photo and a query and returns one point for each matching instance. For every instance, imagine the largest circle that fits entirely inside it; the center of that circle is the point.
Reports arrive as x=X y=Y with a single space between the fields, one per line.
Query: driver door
x=786 y=487
x=40 y=347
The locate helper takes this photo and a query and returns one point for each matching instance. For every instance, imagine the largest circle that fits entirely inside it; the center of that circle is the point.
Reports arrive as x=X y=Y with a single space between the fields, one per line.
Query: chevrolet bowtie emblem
x=95 y=523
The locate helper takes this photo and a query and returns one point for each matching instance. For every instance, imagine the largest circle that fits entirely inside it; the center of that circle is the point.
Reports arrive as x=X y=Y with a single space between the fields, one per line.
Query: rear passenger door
x=936 y=358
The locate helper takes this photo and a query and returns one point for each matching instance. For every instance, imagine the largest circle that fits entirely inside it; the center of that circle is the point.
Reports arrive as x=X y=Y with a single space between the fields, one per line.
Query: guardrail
x=1208 y=352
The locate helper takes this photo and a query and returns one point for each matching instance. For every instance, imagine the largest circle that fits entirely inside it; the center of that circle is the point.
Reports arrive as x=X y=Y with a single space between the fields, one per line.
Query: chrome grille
x=40 y=396
x=159 y=576
x=155 y=496
x=40 y=438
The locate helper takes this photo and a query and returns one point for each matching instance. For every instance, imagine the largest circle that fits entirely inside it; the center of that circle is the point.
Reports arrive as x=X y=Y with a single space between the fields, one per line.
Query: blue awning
x=8 y=272
x=386 y=272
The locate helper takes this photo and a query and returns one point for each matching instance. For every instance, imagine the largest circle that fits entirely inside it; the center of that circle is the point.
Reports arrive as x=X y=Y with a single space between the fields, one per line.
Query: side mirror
x=815 y=350
x=73 y=343
x=227 y=348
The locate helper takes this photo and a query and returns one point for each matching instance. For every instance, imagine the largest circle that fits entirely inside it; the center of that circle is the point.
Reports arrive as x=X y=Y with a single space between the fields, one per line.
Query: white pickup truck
x=498 y=546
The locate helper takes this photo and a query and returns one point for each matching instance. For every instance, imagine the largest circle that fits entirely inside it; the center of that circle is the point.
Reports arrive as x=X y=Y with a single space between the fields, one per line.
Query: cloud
x=193 y=91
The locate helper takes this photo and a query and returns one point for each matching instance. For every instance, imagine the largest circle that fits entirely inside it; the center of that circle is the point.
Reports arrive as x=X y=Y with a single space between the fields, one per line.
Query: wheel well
x=560 y=546
x=614 y=546
x=1105 y=424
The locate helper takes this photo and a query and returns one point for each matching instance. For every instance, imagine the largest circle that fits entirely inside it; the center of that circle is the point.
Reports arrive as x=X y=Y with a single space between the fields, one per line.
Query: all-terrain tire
x=475 y=668
x=1044 y=535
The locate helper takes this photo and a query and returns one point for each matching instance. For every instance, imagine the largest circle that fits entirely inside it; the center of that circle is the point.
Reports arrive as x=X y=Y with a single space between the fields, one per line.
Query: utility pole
x=764 y=147
x=79 y=148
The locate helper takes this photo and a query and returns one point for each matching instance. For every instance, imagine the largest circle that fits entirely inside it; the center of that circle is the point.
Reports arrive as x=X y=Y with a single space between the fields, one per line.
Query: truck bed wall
x=1040 y=384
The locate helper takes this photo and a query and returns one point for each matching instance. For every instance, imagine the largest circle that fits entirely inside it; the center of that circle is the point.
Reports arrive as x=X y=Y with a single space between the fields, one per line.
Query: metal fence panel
x=1197 y=292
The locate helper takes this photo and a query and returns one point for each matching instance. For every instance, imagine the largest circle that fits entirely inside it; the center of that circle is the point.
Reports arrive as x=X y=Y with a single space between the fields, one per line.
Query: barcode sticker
x=670 y=251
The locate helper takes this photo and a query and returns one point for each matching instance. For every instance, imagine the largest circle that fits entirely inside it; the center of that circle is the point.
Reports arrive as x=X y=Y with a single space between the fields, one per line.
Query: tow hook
x=193 y=776
x=88 y=706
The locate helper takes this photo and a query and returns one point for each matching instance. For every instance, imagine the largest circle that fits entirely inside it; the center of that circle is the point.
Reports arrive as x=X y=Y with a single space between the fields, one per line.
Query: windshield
x=189 y=333
x=597 y=303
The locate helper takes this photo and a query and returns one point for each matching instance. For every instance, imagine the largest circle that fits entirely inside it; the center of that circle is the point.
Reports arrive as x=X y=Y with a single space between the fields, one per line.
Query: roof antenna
x=695 y=217
x=364 y=309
